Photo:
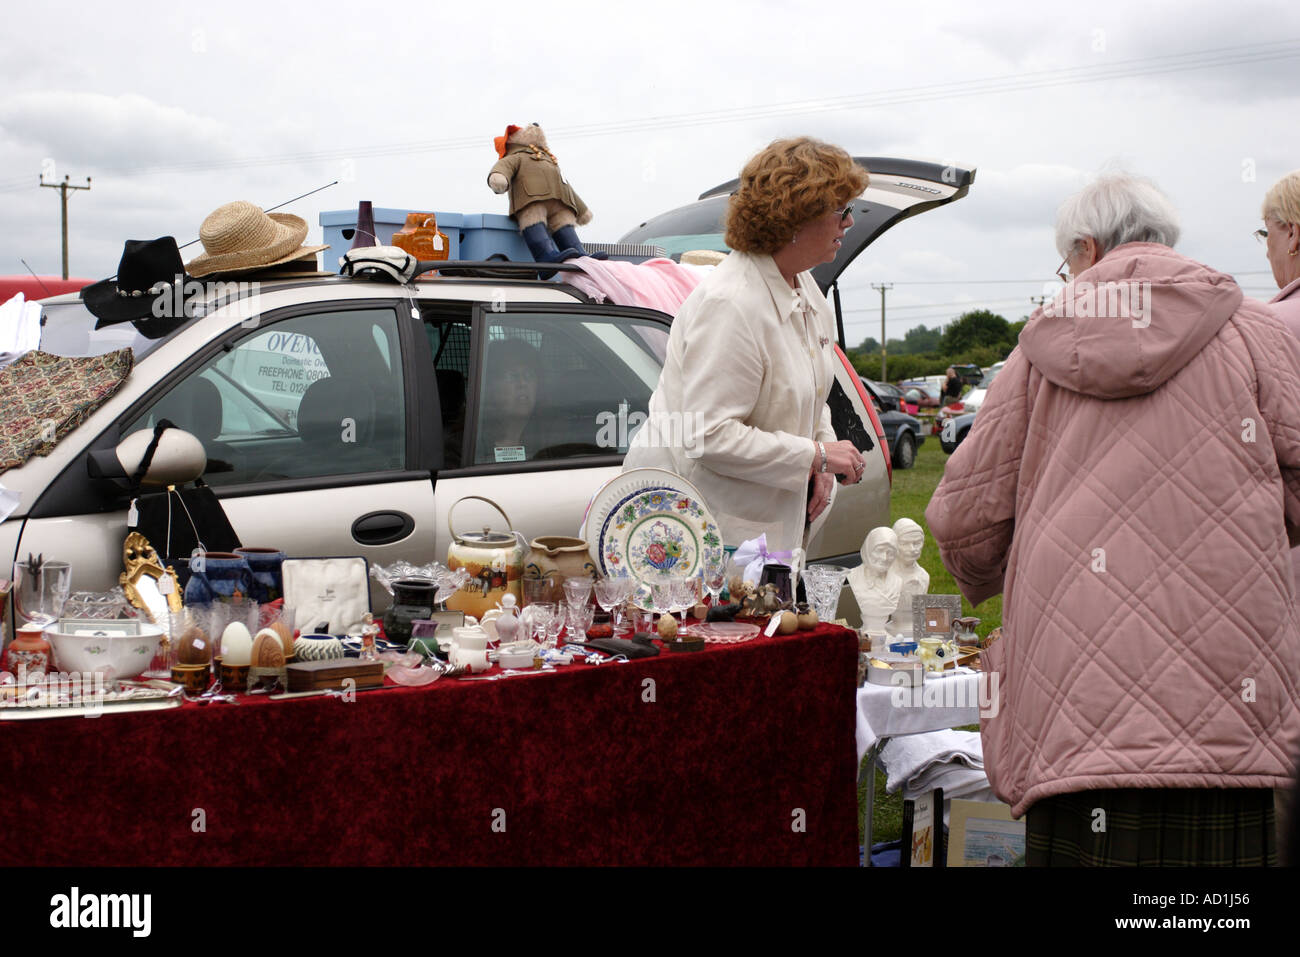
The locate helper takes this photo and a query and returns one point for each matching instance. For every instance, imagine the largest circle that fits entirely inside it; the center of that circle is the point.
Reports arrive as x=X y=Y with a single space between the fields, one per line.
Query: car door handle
x=382 y=528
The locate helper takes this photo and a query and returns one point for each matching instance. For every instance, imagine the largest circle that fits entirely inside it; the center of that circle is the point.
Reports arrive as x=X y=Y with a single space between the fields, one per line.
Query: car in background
x=889 y=396
x=970 y=402
x=928 y=395
x=903 y=432
x=955 y=431
x=969 y=374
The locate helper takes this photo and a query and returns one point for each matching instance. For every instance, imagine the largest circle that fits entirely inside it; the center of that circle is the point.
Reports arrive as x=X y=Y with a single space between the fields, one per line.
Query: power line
x=1247 y=54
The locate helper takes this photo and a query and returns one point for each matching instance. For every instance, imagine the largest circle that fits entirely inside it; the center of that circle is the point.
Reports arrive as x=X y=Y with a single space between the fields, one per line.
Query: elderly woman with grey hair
x=1130 y=486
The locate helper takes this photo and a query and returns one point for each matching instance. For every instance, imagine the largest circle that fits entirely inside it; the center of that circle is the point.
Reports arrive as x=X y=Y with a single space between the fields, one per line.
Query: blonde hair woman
x=740 y=408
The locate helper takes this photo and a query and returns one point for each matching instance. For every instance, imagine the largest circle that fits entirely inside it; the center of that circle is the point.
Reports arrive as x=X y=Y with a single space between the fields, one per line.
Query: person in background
x=740 y=409
x=1281 y=237
x=952 y=388
x=1150 y=653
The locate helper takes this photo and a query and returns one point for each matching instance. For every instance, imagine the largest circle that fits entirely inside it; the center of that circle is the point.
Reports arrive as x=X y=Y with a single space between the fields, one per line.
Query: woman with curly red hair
x=740 y=408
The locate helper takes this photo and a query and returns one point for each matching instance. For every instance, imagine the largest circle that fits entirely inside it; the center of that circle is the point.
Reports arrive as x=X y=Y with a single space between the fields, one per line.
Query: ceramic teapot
x=493 y=559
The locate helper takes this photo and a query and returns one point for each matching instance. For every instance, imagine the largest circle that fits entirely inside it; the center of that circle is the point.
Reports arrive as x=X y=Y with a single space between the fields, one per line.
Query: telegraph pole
x=63 y=189
x=882 y=287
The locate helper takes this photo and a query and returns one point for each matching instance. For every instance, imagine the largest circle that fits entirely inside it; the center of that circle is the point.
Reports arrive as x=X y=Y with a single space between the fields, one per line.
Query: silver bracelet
x=822 y=449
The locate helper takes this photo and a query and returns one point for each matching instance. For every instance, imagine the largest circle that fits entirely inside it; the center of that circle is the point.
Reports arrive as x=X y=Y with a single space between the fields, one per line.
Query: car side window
x=309 y=396
x=561 y=385
x=449 y=341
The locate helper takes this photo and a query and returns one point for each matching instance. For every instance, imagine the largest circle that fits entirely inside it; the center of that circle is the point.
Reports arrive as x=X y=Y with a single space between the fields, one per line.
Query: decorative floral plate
x=658 y=534
x=615 y=493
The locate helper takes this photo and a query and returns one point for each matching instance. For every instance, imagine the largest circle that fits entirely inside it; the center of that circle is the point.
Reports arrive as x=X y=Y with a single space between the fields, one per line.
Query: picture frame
x=934 y=614
x=984 y=834
x=923 y=838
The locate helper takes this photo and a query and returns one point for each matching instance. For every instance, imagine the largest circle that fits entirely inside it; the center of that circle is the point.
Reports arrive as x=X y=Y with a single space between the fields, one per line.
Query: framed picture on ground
x=933 y=615
x=983 y=834
x=923 y=831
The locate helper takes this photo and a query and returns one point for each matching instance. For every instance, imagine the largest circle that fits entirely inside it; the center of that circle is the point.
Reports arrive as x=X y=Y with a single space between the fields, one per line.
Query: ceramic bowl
x=317 y=648
x=112 y=655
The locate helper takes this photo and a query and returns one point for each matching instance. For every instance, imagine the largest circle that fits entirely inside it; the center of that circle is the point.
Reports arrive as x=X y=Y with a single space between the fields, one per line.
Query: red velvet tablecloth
x=740 y=754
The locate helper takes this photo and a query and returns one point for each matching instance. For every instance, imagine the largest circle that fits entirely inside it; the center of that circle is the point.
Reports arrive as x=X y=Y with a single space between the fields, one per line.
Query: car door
x=308 y=417
x=540 y=402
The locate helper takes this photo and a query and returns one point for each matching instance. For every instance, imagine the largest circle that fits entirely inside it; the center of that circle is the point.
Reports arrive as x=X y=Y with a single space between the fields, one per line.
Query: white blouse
x=741 y=400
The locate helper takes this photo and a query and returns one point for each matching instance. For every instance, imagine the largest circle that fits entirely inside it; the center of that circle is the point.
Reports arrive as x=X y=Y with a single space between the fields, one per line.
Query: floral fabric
x=44 y=397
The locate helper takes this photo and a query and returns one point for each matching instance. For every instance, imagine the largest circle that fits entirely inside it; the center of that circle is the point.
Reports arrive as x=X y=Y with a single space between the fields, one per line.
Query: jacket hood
x=1125 y=326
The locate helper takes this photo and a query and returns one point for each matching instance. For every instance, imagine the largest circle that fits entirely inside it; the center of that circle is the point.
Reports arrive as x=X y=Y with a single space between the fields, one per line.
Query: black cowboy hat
x=147 y=274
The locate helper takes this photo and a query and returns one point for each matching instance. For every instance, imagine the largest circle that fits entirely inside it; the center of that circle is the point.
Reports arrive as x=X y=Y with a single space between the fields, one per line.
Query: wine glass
x=579 y=621
x=607 y=592
x=713 y=576
x=577 y=591
x=41 y=590
x=686 y=594
x=544 y=614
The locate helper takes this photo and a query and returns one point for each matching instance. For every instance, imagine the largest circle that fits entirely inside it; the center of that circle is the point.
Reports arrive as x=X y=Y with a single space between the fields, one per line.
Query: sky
x=175 y=108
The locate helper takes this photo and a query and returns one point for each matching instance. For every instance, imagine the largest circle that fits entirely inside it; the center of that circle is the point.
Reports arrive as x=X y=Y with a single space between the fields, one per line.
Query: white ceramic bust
x=914 y=579
x=875 y=584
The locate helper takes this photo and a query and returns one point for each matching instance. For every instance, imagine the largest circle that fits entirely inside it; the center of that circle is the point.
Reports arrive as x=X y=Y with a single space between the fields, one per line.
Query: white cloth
x=9 y=500
x=741 y=400
x=20 y=328
x=921 y=762
x=940 y=703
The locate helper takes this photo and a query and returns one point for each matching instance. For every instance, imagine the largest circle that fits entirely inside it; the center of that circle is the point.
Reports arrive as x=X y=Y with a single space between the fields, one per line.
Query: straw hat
x=239 y=236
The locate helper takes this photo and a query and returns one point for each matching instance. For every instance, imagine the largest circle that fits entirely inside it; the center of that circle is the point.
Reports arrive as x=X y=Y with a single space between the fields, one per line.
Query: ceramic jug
x=558 y=557
x=494 y=560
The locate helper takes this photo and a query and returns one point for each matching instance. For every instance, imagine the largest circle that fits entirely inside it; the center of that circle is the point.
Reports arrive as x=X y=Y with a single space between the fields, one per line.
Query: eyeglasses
x=1061 y=274
x=1261 y=235
x=844 y=213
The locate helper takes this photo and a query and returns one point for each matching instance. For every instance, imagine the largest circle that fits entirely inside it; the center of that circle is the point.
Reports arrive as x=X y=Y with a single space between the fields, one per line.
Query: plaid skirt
x=1153 y=827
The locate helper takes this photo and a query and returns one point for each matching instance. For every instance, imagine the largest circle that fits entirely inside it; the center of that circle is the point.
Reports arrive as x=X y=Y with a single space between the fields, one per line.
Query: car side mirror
x=179 y=458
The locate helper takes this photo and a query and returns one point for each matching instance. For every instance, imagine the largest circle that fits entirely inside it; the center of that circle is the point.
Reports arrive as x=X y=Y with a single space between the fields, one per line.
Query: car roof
x=899 y=189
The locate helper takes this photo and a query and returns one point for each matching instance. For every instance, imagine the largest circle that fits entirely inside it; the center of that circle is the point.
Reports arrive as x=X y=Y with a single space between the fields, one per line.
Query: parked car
x=955 y=431
x=928 y=395
x=890 y=396
x=409 y=369
x=970 y=402
x=903 y=432
x=969 y=374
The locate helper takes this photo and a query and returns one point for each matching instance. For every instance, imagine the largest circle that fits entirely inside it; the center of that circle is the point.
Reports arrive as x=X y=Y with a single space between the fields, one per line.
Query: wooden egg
x=807 y=617
x=789 y=623
x=285 y=633
x=193 y=648
x=667 y=627
x=268 y=652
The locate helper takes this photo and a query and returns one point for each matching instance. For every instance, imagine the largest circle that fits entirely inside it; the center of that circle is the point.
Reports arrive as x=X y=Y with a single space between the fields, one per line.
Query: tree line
x=980 y=337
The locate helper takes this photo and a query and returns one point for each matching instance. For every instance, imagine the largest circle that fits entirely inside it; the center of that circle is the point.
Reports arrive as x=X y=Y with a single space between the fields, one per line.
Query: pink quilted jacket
x=1129 y=485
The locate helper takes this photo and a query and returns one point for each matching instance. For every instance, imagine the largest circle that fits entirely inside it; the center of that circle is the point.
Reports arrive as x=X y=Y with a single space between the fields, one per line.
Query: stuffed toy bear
x=542 y=203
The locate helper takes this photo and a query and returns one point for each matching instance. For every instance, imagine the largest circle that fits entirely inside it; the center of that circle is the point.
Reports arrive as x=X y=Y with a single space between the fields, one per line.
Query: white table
x=886 y=712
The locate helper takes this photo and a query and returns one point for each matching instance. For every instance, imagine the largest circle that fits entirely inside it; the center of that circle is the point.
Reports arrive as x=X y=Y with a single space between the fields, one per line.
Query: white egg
x=236 y=644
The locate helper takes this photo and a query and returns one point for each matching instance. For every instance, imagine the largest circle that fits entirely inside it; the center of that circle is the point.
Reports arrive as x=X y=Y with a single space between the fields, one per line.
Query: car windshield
x=988 y=378
x=68 y=329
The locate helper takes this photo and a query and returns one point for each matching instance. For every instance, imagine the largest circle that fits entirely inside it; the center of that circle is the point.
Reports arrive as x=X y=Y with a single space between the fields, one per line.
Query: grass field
x=910 y=495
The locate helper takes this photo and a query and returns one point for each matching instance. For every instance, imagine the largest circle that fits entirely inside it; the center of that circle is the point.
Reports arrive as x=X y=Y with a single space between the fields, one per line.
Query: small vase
x=29 y=653
x=413 y=600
